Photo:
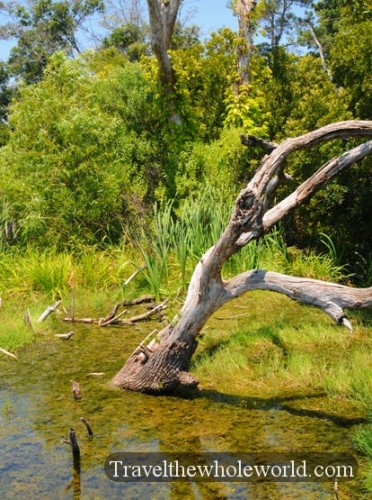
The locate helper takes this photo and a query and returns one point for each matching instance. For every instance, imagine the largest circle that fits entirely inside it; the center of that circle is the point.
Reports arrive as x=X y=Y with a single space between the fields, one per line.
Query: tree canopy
x=88 y=131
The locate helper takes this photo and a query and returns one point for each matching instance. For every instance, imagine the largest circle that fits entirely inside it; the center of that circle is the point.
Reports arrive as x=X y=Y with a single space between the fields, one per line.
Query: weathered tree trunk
x=245 y=9
x=163 y=365
x=163 y=15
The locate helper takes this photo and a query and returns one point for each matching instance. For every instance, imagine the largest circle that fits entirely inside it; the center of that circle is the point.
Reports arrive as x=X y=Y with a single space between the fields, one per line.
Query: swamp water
x=37 y=409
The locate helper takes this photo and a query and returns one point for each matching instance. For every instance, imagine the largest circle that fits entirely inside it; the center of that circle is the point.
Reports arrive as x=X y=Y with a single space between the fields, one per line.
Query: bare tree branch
x=330 y=297
x=339 y=130
x=308 y=188
x=321 y=53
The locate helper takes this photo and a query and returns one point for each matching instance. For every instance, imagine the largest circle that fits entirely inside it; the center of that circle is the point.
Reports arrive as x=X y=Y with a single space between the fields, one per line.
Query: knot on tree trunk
x=248 y=211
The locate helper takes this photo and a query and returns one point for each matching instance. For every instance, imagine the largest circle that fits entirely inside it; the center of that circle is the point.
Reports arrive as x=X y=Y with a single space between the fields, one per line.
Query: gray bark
x=163 y=15
x=245 y=9
x=165 y=366
x=321 y=53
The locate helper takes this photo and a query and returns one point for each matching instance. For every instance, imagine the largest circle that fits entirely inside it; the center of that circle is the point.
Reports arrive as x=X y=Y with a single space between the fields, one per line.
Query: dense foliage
x=87 y=148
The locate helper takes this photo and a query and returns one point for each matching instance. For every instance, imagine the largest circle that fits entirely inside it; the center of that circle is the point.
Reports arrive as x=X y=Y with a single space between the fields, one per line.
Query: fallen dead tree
x=164 y=366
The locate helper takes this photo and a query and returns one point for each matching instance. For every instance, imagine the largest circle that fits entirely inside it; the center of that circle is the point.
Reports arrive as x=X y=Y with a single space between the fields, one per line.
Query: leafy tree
x=336 y=209
x=203 y=76
x=6 y=93
x=130 y=39
x=279 y=21
x=351 y=60
x=43 y=27
x=87 y=162
x=185 y=37
x=344 y=30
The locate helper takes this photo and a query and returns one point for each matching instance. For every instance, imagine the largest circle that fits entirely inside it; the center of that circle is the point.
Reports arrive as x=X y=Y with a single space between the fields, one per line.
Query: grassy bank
x=262 y=345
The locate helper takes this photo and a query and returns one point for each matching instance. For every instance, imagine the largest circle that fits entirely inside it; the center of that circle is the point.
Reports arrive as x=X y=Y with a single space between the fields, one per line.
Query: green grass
x=363 y=443
x=14 y=332
x=265 y=345
x=282 y=344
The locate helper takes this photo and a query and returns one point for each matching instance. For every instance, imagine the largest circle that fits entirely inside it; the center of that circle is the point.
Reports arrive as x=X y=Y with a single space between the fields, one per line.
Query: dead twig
x=232 y=317
x=148 y=314
x=89 y=321
x=87 y=425
x=8 y=353
x=106 y=322
x=48 y=311
x=117 y=321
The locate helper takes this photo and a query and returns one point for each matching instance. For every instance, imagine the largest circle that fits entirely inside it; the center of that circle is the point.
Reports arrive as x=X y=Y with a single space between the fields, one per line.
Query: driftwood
x=140 y=300
x=64 y=336
x=115 y=319
x=88 y=321
x=126 y=303
x=49 y=310
x=106 y=322
x=87 y=425
x=76 y=390
x=148 y=314
x=164 y=366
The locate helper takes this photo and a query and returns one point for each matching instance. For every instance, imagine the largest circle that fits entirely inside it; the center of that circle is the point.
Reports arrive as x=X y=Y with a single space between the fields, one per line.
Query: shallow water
x=37 y=409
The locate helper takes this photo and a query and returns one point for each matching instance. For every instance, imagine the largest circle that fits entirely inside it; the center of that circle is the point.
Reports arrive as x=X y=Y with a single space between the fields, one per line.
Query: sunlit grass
x=281 y=346
x=13 y=330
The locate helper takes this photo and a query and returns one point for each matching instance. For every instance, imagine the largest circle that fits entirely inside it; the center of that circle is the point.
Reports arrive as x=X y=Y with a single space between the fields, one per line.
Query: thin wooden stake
x=28 y=321
x=75 y=449
x=336 y=490
x=87 y=425
x=72 y=305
